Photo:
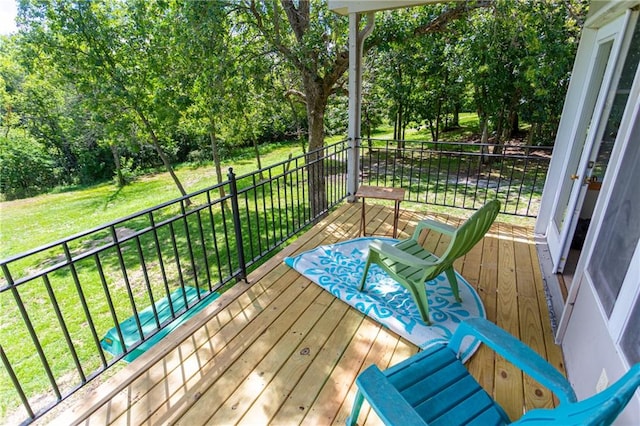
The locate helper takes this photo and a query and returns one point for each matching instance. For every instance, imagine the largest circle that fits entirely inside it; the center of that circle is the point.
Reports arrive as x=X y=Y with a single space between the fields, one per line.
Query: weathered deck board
x=281 y=350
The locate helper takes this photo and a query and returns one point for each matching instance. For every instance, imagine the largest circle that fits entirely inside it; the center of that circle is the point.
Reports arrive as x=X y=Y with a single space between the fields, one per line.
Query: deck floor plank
x=268 y=319
x=281 y=350
x=277 y=275
x=336 y=388
x=509 y=389
x=308 y=387
x=296 y=357
x=482 y=364
x=380 y=355
x=531 y=331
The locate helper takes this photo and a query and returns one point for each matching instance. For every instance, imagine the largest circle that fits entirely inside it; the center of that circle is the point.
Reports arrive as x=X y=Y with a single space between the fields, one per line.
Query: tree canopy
x=93 y=90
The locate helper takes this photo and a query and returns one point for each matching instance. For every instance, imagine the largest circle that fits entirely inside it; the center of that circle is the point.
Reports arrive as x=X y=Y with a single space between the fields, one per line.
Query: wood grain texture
x=282 y=351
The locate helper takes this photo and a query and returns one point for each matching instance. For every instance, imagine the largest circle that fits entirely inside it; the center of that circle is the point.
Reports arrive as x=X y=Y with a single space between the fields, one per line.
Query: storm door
x=612 y=257
x=585 y=157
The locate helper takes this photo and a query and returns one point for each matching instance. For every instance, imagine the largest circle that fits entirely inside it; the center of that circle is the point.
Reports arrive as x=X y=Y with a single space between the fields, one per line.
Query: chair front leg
x=355 y=411
x=364 y=274
x=419 y=294
x=453 y=281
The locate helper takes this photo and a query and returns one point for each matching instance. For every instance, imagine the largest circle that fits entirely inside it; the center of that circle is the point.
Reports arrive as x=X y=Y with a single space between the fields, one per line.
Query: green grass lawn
x=36 y=221
x=469 y=126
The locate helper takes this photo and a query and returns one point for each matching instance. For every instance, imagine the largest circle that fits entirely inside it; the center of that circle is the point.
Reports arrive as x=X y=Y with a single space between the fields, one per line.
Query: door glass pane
x=617 y=107
x=631 y=337
x=602 y=57
x=620 y=231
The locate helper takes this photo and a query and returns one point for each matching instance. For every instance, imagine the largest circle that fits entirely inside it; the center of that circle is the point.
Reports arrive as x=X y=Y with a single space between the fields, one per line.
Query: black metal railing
x=462 y=175
x=61 y=300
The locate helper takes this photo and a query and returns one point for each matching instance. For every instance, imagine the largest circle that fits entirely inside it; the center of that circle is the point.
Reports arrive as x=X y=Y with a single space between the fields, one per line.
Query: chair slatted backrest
x=467 y=236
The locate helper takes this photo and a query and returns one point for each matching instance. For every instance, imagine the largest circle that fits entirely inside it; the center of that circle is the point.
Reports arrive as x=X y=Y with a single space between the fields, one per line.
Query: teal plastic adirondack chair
x=434 y=388
x=411 y=265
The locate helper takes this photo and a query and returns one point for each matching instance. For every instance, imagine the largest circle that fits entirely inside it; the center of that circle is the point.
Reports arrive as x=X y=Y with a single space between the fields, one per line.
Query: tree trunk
x=298 y=128
x=215 y=154
x=511 y=125
x=455 y=120
x=120 y=182
x=432 y=130
x=70 y=160
x=162 y=155
x=438 y=119
x=405 y=123
x=395 y=124
x=535 y=134
x=254 y=142
x=484 y=139
x=400 y=125
x=367 y=124
x=315 y=164
x=499 y=126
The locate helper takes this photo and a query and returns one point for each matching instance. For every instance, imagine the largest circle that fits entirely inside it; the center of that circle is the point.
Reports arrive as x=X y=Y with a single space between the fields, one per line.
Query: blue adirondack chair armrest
x=385 y=399
x=397 y=255
x=516 y=352
x=434 y=225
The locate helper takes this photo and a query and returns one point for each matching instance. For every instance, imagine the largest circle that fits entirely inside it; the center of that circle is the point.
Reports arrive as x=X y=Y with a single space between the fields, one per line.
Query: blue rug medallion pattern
x=338 y=268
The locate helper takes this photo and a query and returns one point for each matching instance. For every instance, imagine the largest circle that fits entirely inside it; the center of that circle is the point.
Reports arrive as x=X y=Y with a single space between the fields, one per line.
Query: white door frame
x=629 y=292
x=559 y=240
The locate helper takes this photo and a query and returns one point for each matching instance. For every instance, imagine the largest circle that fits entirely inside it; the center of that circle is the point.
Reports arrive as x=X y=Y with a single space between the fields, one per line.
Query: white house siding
x=588 y=350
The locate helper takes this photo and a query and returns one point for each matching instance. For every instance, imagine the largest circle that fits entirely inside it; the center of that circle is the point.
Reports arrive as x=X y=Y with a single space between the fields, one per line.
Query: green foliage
x=25 y=167
x=508 y=60
x=518 y=56
x=68 y=212
x=128 y=171
x=155 y=80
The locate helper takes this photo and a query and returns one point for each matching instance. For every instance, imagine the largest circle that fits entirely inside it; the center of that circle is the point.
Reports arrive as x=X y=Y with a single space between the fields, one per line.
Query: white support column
x=356 y=42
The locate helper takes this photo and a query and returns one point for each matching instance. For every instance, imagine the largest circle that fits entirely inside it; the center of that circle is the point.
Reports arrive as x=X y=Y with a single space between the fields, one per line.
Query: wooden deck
x=282 y=351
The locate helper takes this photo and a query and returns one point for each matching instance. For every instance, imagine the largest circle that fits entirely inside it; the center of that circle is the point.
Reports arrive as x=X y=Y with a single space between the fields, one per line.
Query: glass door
x=588 y=131
x=614 y=265
x=612 y=259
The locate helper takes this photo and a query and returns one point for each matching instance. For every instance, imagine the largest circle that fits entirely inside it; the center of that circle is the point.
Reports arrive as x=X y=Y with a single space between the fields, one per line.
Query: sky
x=8 y=10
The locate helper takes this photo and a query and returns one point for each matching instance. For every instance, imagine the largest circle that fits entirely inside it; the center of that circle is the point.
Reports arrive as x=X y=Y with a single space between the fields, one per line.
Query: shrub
x=26 y=167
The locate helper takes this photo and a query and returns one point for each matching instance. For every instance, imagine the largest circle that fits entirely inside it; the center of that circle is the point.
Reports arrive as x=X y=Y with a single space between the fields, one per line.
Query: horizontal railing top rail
x=65 y=303
x=456 y=146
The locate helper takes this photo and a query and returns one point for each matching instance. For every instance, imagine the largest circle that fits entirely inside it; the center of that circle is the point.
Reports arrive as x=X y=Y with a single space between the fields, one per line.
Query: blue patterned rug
x=338 y=268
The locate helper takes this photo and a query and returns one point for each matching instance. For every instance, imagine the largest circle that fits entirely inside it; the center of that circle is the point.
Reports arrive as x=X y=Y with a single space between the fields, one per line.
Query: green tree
x=314 y=41
x=518 y=55
x=419 y=70
x=11 y=77
x=204 y=38
x=372 y=96
x=551 y=38
x=37 y=100
x=116 y=54
x=25 y=167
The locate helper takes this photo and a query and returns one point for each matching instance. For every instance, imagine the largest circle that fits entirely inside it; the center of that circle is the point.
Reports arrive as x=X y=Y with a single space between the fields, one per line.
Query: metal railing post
x=237 y=224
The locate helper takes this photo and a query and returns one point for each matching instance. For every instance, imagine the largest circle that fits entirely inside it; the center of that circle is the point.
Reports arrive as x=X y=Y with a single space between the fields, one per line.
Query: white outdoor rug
x=338 y=268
